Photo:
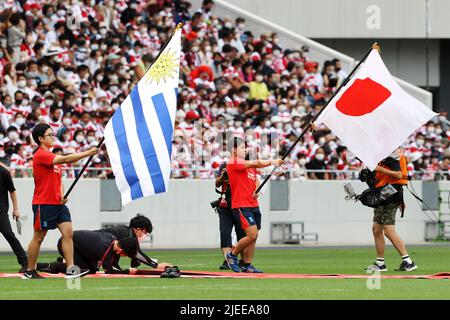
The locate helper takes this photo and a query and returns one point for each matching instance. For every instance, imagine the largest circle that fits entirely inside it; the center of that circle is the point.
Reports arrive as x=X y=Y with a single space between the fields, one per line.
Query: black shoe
x=174 y=272
x=31 y=275
x=224 y=266
x=405 y=266
x=165 y=273
x=43 y=267
x=376 y=267
x=75 y=272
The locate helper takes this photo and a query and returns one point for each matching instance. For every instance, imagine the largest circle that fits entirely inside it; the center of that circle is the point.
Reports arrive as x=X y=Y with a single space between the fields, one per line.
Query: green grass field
x=430 y=259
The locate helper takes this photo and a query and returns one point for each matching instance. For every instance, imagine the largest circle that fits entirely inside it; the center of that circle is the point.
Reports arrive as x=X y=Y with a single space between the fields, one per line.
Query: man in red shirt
x=50 y=211
x=243 y=183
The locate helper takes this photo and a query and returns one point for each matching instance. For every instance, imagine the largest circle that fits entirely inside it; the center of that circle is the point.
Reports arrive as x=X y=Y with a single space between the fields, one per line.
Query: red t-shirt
x=47 y=178
x=242 y=184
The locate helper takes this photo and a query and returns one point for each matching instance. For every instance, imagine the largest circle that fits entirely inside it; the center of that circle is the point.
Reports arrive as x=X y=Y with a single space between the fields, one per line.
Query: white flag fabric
x=372 y=114
x=138 y=136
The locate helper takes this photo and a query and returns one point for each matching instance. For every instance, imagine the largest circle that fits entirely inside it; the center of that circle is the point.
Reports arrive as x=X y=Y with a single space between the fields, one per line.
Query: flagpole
x=179 y=26
x=347 y=79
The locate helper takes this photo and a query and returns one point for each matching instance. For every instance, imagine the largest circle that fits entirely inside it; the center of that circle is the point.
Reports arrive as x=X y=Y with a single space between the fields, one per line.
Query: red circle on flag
x=362 y=97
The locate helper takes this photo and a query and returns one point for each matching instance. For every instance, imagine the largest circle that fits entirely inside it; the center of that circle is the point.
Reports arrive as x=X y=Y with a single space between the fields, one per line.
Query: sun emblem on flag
x=165 y=67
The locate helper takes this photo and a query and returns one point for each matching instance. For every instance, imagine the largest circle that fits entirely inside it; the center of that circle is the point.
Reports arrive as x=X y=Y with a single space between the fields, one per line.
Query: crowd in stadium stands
x=74 y=72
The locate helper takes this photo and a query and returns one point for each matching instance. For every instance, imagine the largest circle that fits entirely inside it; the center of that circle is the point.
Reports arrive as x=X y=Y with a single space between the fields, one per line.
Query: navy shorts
x=48 y=216
x=248 y=217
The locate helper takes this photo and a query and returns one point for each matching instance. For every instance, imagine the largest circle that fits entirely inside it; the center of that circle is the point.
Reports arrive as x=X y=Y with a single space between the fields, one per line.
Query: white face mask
x=268 y=124
x=48 y=102
x=67 y=122
x=320 y=156
x=103 y=32
x=153 y=34
x=90 y=139
x=322 y=141
x=296 y=124
x=259 y=78
x=142 y=238
x=13 y=135
x=430 y=129
x=21 y=83
x=20 y=121
x=79 y=139
x=302 y=161
x=438 y=131
x=420 y=142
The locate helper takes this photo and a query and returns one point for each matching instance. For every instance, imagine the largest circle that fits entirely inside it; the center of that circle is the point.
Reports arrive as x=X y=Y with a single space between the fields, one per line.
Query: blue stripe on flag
x=126 y=161
x=146 y=141
x=164 y=120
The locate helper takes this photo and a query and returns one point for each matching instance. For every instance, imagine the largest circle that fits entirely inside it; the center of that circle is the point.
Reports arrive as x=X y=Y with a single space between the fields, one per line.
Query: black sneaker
x=43 y=267
x=75 y=272
x=166 y=272
x=174 y=272
x=405 y=266
x=224 y=266
x=31 y=275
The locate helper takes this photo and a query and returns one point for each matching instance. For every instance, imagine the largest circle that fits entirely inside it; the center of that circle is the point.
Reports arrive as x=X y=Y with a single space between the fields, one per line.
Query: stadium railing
x=208 y=174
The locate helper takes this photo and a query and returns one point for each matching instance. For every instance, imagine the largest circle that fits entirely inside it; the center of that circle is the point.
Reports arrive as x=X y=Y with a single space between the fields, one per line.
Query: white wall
x=183 y=216
x=381 y=19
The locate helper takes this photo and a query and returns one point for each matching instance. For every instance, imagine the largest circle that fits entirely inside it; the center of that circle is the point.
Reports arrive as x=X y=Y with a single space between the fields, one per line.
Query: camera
x=216 y=203
x=368 y=177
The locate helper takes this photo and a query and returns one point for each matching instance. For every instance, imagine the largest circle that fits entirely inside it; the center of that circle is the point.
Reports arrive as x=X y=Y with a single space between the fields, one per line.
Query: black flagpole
x=374 y=46
x=103 y=139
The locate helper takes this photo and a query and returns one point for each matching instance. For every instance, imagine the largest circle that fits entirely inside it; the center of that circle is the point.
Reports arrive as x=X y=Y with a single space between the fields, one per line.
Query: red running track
x=208 y=274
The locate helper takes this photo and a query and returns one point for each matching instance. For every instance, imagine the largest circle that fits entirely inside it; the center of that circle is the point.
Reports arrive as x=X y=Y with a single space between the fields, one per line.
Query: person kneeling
x=95 y=249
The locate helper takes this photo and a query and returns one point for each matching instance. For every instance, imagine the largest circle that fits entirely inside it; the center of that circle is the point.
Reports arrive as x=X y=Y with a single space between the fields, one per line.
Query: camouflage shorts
x=385 y=215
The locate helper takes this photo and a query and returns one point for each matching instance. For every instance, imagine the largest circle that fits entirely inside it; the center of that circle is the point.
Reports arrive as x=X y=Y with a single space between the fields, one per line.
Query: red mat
x=207 y=274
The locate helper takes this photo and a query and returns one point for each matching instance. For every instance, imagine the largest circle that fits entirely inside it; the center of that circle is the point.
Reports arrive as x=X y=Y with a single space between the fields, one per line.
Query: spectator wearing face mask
x=12 y=136
x=300 y=167
x=79 y=140
x=258 y=88
x=54 y=118
x=318 y=163
x=19 y=121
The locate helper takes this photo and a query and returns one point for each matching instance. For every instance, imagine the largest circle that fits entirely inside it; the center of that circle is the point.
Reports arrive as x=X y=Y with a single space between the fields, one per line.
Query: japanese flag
x=372 y=115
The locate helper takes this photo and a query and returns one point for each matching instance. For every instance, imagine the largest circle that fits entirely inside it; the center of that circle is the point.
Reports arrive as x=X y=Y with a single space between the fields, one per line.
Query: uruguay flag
x=138 y=136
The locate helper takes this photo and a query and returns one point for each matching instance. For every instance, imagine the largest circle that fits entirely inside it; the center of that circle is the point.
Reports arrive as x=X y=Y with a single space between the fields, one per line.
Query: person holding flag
x=243 y=183
x=373 y=115
x=392 y=170
x=49 y=205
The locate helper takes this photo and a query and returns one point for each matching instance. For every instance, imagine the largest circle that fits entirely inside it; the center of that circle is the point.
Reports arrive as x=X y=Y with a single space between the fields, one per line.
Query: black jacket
x=96 y=250
x=121 y=232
